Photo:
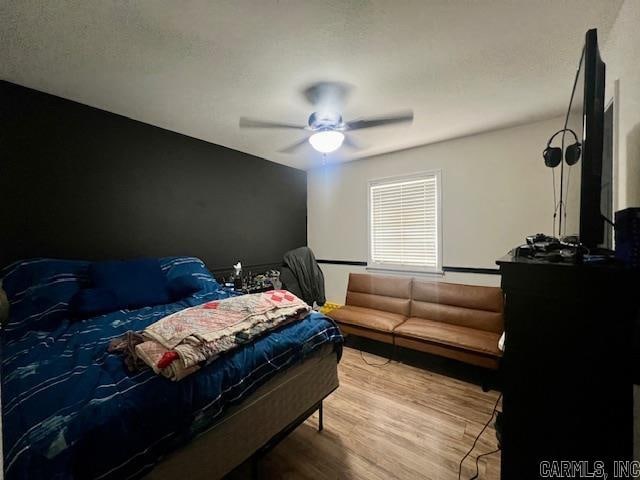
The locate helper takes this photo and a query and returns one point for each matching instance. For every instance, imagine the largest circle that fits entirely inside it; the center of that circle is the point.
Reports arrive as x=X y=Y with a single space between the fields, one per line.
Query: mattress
x=247 y=427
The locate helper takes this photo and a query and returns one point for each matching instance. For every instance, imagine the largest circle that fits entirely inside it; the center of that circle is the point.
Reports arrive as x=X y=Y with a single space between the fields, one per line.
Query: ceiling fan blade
x=252 y=123
x=349 y=142
x=327 y=96
x=380 y=121
x=295 y=147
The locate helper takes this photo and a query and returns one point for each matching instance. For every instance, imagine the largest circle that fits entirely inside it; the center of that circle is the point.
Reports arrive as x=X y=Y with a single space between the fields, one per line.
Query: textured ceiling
x=195 y=67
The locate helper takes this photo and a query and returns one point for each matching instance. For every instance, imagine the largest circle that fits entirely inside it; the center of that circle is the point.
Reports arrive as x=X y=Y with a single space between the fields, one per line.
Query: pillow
x=90 y=302
x=175 y=267
x=23 y=277
x=135 y=283
x=40 y=290
x=183 y=286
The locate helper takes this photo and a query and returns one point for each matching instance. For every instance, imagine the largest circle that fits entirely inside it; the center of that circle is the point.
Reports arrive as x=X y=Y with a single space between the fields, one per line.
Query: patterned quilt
x=179 y=342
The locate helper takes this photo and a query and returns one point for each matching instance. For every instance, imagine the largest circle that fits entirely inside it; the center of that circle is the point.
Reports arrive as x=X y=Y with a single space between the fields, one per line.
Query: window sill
x=405 y=271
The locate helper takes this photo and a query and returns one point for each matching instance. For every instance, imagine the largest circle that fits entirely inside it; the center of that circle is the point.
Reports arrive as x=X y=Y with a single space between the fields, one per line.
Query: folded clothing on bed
x=177 y=344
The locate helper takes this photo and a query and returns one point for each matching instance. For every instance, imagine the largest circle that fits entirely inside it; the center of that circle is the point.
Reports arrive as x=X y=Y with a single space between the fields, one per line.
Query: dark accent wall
x=79 y=182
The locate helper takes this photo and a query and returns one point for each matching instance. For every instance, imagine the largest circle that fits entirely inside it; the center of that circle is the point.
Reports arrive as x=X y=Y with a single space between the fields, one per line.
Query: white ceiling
x=195 y=67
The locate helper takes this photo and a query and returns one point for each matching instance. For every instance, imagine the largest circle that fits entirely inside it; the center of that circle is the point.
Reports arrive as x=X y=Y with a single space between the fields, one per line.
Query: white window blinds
x=404 y=223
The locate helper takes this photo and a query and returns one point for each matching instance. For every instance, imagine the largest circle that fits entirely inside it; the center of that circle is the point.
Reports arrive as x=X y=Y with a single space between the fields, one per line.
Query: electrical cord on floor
x=475 y=476
x=493 y=414
x=387 y=362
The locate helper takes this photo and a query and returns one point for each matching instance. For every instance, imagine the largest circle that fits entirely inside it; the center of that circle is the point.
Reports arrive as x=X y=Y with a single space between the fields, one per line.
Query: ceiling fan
x=328 y=129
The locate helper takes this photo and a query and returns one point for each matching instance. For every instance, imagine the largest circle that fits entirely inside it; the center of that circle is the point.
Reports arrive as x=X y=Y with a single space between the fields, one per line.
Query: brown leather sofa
x=462 y=322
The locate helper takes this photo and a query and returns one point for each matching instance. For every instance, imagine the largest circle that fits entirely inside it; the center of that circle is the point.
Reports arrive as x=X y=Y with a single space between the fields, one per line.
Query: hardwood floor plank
x=390 y=422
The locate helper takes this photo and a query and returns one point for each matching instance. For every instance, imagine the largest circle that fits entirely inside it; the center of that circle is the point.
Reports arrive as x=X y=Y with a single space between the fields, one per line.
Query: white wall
x=621 y=53
x=495 y=191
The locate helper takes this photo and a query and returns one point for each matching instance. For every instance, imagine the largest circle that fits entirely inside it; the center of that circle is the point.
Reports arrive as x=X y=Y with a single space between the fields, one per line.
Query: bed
x=71 y=410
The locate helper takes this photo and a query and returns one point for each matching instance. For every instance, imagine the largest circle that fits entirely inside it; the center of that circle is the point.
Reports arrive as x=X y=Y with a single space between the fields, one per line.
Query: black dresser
x=566 y=370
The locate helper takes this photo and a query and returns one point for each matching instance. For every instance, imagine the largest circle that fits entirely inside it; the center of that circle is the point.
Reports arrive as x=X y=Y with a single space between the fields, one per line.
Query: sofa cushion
x=464 y=305
x=388 y=286
x=396 y=306
x=453 y=335
x=469 y=296
x=463 y=317
x=367 y=318
x=379 y=292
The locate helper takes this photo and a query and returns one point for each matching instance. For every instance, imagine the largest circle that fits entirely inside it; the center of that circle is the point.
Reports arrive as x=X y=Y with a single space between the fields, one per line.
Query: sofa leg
x=491 y=381
x=320 y=418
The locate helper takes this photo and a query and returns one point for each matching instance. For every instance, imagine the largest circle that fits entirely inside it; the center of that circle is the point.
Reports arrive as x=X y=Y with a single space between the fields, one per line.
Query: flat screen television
x=586 y=117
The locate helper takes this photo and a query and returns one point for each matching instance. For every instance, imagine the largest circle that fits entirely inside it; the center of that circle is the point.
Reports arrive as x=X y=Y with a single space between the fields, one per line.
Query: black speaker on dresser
x=566 y=370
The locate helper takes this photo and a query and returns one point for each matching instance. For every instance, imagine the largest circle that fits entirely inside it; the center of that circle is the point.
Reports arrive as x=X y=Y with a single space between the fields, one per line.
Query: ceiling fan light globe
x=327 y=141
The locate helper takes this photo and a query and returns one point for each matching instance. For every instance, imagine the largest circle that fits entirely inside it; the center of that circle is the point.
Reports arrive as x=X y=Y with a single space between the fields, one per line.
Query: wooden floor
x=393 y=421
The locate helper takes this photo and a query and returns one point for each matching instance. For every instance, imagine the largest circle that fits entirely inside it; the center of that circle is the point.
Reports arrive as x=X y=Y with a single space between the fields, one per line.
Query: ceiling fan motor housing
x=325 y=121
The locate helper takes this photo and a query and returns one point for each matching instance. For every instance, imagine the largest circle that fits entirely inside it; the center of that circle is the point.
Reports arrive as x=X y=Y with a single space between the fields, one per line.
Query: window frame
x=390 y=267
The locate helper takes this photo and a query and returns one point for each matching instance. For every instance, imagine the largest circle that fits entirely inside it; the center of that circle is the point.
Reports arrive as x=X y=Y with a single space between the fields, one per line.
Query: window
x=404 y=223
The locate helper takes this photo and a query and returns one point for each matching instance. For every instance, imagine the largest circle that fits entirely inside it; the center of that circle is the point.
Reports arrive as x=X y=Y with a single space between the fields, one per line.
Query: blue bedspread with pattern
x=72 y=411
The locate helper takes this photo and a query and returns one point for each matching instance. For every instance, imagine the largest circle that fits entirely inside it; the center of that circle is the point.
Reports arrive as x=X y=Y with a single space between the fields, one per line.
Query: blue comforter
x=72 y=411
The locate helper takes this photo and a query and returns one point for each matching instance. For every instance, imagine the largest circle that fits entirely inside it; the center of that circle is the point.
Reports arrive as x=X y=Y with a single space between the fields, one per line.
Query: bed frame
x=249 y=430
